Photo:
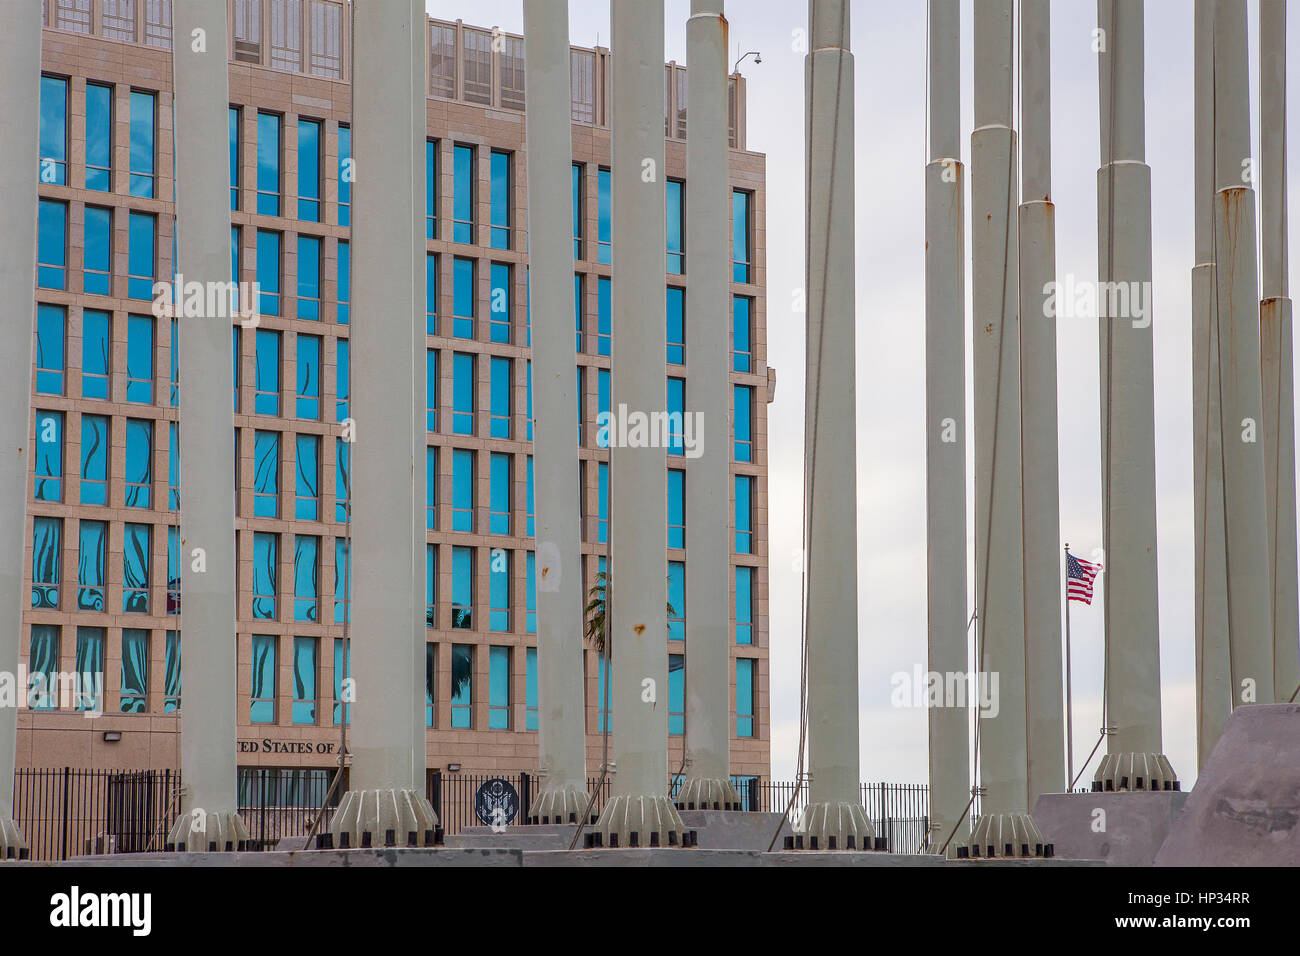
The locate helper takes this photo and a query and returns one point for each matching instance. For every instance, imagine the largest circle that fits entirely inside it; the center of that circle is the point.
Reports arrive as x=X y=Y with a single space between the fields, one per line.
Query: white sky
x=889 y=48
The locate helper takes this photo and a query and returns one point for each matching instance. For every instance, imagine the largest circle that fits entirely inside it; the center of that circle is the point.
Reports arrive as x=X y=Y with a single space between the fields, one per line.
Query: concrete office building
x=102 y=531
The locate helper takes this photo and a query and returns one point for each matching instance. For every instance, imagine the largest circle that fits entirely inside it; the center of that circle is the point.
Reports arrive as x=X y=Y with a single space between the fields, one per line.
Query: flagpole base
x=641 y=821
x=563 y=803
x=1005 y=836
x=699 y=793
x=207 y=831
x=382 y=818
x=836 y=826
x=1135 y=771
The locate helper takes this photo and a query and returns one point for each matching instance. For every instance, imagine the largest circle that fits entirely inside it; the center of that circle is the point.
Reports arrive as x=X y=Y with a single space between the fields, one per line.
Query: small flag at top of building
x=1079 y=576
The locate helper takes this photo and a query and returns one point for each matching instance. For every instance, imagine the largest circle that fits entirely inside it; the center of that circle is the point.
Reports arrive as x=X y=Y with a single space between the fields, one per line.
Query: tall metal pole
x=1069 y=687
x=209 y=806
x=708 y=383
x=945 y=422
x=1213 y=675
x=834 y=810
x=561 y=737
x=639 y=470
x=386 y=792
x=1276 y=357
x=999 y=531
x=1134 y=760
x=419 y=76
x=1250 y=596
x=1037 y=227
x=20 y=98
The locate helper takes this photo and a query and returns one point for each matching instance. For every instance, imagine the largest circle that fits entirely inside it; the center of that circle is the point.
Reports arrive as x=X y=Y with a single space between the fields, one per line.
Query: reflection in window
x=98 y=251
x=742 y=346
x=99 y=137
x=499 y=423
x=49 y=457
x=309 y=154
x=745 y=673
x=308 y=399
x=675 y=192
x=344 y=282
x=604 y=251
x=744 y=604
x=96 y=353
x=462 y=685
x=173 y=570
x=530 y=689
x=139 y=359
x=498 y=688
x=604 y=315
x=462 y=490
x=740 y=236
x=94 y=459
x=676 y=694
x=306 y=501
x=135 y=568
x=462 y=393
x=308 y=277
x=52 y=244
x=266 y=382
x=676 y=326
x=139 y=463
x=53 y=166
x=499 y=313
x=530 y=594
x=342 y=671
x=265 y=574
x=268 y=164
x=47 y=561
x=262 y=689
x=135 y=671
x=499 y=590
x=42 y=668
x=342 y=480
x=462 y=205
x=174 y=468
x=676 y=508
x=462 y=588
x=501 y=199
x=462 y=298
x=499 y=504
x=430 y=682
x=306 y=567
x=342 y=581
x=50 y=333
x=342 y=377
x=268 y=271
x=92 y=563
x=90 y=669
x=266 y=474
x=172 y=674
x=744 y=514
x=743 y=422
x=141 y=230
x=431 y=189
x=304 y=680
x=676 y=415
x=345 y=178
x=142 y=144
x=677 y=600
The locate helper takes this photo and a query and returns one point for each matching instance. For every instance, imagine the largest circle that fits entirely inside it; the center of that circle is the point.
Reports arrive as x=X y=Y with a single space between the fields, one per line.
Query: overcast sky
x=889 y=48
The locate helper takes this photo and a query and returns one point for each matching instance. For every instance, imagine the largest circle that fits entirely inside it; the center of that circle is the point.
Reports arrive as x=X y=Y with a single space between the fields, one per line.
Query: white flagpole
x=1069 y=696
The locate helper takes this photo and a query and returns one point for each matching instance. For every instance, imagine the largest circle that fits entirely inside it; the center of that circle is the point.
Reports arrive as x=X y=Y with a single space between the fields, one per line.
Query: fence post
x=67 y=772
x=435 y=797
x=525 y=795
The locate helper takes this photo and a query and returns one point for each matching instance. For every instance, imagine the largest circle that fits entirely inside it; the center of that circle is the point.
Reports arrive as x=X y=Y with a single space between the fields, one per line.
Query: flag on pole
x=1079 y=576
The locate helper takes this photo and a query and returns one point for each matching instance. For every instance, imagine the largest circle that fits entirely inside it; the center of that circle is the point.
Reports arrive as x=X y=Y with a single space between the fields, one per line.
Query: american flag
x=1078 y=578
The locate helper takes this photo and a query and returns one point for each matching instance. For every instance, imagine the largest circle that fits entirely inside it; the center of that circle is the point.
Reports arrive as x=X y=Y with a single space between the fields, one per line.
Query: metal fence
x=69 y=811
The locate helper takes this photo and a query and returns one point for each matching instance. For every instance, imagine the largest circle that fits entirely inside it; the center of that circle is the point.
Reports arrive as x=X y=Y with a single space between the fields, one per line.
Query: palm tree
x=595 y=612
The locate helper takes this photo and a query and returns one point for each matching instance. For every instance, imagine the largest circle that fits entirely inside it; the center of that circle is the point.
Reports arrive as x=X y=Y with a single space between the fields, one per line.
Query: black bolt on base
x=654 y=837
x=633 y=839
x=1177 y=785
x=1024 y=849
x=1110 y=784
x=963 y=853
x=212 y=846
x=430 y=836
x=830 y=843
x=1038 y=849
x=1123 y=783
x=180 y=847
x=990 y=854
x=850 y=842
x=22 y=853
x=672 y=837
x=169 y=847
x=573 y=817
x=812 y=842
x=789 y=843
x=367 y=839
x=882 y=844
x=241 y=846
x=390 y=838
x=345 y=840
x=230 y=846
x=973 y=850
x=412 y=838
x=1049 y=850
x=438 y=835
x=1139 y=784
x=613 y=841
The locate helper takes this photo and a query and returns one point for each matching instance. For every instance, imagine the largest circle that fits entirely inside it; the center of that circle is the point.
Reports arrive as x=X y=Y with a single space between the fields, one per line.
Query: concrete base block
x=698 y=793
x=389 y=857
x=735 y=829
x=383 y=818
x=641 y=820
x=1245 y=807
x=836 y=826
x=1135 y=824
x=563 y=804
x=12 y=844
x=542 y=836
x=206 y=831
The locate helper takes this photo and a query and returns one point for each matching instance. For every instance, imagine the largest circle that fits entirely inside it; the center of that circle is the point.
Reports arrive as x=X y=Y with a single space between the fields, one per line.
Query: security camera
x=758 y=58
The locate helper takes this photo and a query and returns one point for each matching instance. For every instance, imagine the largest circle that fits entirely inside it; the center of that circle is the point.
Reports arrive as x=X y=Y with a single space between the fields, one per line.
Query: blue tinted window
x=90 y=660
x=744 y=605
x=499 y=590
x=94 y=459
x=43 y=666
x=462 y=490
x=431 y=586
x=261 y=709
x=744 y=514
x=676 y=508
x=308 y=277
x=139 y=359
x=309 y=154
x=266 y=474
x=99 y=137
x=172 y=673
x=431 y=390
x=304 y=680
x=266 y=549
x=92 y=565
x=98 y=251
x=266 y=384
x=498 y=688
x=462 y=298
x=268 y=164
x=745 y=697
x=346 y=175
x=268 y=271
x=308 y=399
x=344 y=282
x=675 y=195
x=603 y=232
x=676 y=694
x=49 y=457
x=342 y=583
x=306 y=504
x=175 y=396
x=139 y=463
x=140 y=255
x=430 y=487
x=233 y=121
x=462 y=206
x=530 y=598
x=577 y=313
x=676 y=326
x=53 y=167
x=52 y=245
x=462 y=587
x=50 y=334
x=602 y=502
x=602 y=408
x=501 y=186
x=342 y=478
x=306 y=564
x=173 y=570
x=530 y=691
x=431 y=189
x=500 y=417
x=577 y=174
x=499 y=311
x=499 y=508
x=462 y=398
x=604 y=315
x=529 y=532
x=677 y=600
x=528 y=400
x=136 y=552
x=174 y=467
x=47 y=559
x=142 y=144
x=744 y=401
x=742 y=347
x=431 y=293
x=740 y=226
x=676 y=411
x=603 y=722
x=134 y=697
x=462 y=685
x=342 y=375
